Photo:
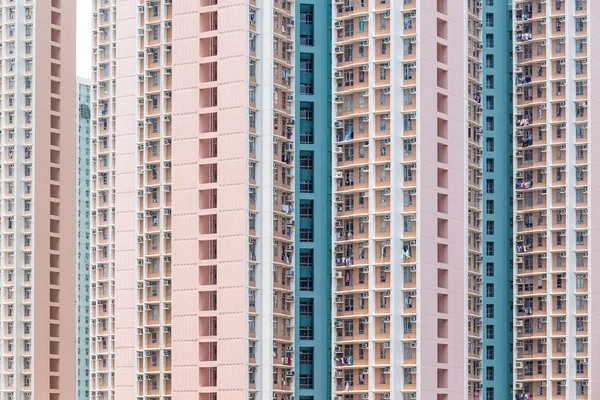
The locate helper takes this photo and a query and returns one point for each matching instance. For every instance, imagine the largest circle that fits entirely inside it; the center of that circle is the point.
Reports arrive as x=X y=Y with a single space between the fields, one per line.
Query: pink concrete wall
x=125 y=198
x=185 y=279
x=428 y=195
x=54 y=200
x=188 y=202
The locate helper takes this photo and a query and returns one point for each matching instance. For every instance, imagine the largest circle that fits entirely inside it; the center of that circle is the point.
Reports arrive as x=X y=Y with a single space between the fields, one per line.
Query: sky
x=84 y=38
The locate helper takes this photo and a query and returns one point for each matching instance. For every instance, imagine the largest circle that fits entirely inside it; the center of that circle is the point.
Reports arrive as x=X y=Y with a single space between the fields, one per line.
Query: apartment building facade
x=376 y=258
x=313 y=196
x=554 y=189
x=83 y=228
x=244 y=255
x=189 y=109
x=496 y=99
x=38 y=152
x=102 y=188
x=131 y=201
x=407 y=301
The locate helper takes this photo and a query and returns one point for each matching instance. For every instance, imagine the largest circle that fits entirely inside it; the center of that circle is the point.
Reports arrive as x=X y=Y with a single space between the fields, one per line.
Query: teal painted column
x=313 y=200
x=83 y=243
x=496 y=99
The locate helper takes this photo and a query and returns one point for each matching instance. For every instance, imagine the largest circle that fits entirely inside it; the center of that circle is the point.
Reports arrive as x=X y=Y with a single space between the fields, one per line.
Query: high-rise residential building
x=325 y=199
x=233 y=199
x=313 y=197
x=193 y=180
x=83 y=242
x=554 y=189
x=38 y=225
x=131 y=201
x=496 y=144
x=102 y=187
x=407 y=290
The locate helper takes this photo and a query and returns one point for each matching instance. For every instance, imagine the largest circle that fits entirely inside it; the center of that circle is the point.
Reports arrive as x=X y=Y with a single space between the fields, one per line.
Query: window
x=489 y=311
x=489 y=206
x=489 y=81
x=489 y=248
x=306 y=307
x=408 y=72
x=489 y=352
x=306 y=162
x=489 y=186
x=580 y=237
x=489 y=61
x=489 y=331
x=382 y=72
x=306 y=356
x=408 y=148
x=348 y=78
x=408 y=47
x=382 y=21
x=383 y=97
x=489 y=40
x=407 y=173
x=306 y=137
x=306 y=65
x=306 y=40
x=306 y=210
x=489 y=227
x=489 y=144
x=306 y=114
x=382 y=123
x=489 y=20
x=489 y=290
x=408 y=22
x=579 y=88
x=306 y=15
x=382 y=48
x=348 y=53
x=489 y=269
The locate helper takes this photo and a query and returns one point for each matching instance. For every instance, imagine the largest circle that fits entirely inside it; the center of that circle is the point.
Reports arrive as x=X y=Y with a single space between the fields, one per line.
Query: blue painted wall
x=497 y=170
x=313 y=199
